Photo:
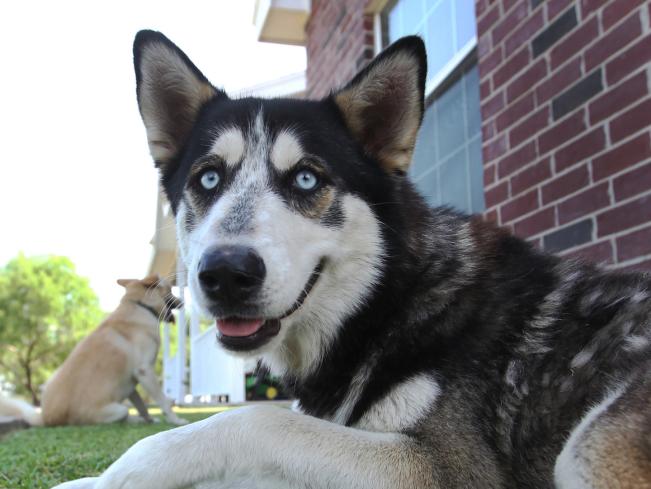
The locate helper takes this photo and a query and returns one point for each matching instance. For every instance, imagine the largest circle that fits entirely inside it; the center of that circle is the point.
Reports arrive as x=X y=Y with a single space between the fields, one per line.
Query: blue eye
x=306 y=180
x=209 y=179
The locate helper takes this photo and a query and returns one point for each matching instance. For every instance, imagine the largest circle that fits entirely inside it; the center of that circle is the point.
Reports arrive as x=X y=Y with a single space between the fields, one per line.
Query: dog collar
x=149 y=308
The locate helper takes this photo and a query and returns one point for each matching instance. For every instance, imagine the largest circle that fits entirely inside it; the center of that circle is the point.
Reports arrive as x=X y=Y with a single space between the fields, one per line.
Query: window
x=447 y=166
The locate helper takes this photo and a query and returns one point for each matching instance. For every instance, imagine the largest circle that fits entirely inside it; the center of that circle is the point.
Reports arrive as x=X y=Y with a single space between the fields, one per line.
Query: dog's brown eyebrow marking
x=286 y=150
x=229 y=145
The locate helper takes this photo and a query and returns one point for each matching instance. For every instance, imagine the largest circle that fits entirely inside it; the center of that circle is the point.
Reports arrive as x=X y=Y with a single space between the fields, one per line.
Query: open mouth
x=238 y=334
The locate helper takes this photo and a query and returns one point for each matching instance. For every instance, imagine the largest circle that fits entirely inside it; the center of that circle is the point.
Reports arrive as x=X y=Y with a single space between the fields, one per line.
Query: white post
x=194 y=322
x=181 y=332
x=166 y=342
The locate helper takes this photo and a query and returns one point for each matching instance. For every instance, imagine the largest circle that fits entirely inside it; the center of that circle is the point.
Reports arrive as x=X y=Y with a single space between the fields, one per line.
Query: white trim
x=450 y=66
x=377 y=33
x=181 y=333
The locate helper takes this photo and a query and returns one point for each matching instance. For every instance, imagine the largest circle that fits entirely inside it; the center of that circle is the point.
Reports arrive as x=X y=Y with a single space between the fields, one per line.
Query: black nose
x=231 y=273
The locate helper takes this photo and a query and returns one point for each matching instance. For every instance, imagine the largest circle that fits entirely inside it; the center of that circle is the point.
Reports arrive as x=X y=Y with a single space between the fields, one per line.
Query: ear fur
x=125 y=282
x=171 y=91
x=383 y=105
x=150 y=280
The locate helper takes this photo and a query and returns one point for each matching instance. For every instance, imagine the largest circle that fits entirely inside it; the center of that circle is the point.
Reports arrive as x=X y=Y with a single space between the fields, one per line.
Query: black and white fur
x=433 y=351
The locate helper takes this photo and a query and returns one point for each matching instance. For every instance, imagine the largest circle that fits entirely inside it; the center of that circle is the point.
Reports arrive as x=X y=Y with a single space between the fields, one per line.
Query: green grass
x=43 y=457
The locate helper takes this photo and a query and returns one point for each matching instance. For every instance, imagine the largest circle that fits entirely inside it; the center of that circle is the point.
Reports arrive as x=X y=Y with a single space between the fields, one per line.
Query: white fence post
x=181 y=333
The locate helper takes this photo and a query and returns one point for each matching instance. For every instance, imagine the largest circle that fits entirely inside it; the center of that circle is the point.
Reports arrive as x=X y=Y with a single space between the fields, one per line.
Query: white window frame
x=444 y=73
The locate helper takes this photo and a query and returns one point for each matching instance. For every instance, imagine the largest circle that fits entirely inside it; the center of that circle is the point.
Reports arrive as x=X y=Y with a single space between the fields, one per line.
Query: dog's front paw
x=143 y=466
x=85 y=483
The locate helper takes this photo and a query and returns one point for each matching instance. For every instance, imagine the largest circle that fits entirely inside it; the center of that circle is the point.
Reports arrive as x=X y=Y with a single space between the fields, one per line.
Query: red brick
x=625 y=216
x=589 y=6
x=581 y=149
x=586 y=202
x=574 y=43
x=491 y=216
x=555 y=7
x=531 y=176
x=529 y=127
x=484 y=44
x=613 y=42
x=643 y=266
x=490 y=62
x=631 y=59
x=514 y=112
x=565 y=184
x=634 y=119
x=488 y=19
x=601 y=252
x=616 y=11
x=494 y=149
x=516 y=160
x=526 y=80
x=488 y=130
x=508 y=4
x=621 y=157
x=489 y=174
x=523 y=33
x=632 y=183
x=492 y=106
x=510 y=22
x=480 y=7
x=485 y=89
x=512 y=67
x=519 y=206
x=496 y=195
x=632 y=245
x=560 y=80
x=561 y=132
x=535 y=224
x=618 y=98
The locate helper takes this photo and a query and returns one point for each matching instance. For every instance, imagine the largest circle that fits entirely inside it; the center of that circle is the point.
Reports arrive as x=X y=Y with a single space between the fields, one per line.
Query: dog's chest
x=402 y=407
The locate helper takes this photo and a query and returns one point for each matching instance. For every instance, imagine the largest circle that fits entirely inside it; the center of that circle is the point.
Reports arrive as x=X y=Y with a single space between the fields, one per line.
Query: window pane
x=476 y=170
x=447 y=165
x=395 y=23
x=473 y=116
x=439 y=41
x=450 y=120
x=465 y=22
x=412 y=14
x=447 y=26
x=454 y=180
x=425 y=145
x=428 y=186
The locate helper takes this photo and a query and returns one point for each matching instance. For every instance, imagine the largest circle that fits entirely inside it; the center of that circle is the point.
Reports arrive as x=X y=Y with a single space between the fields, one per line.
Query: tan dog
x=105 y=367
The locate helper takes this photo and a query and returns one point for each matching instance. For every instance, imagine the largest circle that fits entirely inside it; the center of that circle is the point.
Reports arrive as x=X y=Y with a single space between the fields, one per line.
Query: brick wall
x=339 y=43
x=566 y=110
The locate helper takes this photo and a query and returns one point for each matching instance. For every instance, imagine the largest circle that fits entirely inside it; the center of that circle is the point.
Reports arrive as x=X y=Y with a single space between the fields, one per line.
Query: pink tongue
x=239 y=327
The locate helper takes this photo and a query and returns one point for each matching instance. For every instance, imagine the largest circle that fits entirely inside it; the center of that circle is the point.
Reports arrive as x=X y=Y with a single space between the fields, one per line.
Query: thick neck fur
x=434 y=258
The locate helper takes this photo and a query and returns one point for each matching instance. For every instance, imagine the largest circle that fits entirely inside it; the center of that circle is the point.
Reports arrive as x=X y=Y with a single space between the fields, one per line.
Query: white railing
x=212 y=371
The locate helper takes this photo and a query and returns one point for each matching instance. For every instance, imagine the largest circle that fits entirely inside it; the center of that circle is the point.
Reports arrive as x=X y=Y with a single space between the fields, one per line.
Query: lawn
x=43 y=457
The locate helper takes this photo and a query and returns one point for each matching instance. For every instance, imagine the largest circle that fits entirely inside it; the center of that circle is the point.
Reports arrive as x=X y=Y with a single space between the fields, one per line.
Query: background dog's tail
x=20 y=409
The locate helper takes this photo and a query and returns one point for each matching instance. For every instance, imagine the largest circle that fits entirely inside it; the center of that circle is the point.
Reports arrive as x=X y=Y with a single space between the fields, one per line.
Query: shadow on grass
x=43 y=457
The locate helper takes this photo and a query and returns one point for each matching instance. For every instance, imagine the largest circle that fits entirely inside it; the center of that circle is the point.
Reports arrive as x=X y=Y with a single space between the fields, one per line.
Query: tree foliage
x=45 y=309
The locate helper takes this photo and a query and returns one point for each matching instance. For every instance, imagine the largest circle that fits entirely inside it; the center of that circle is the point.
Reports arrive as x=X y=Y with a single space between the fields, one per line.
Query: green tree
x=45 y=309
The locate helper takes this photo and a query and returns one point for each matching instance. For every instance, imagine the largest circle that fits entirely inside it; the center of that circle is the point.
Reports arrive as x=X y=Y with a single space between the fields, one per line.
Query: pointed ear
x=171 y=91
x=125 y=282
x=383 y=105
x=150 y=280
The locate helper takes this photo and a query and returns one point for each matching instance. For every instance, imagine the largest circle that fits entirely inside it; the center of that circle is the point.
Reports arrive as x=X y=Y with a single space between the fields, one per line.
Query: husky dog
x=425 y=348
